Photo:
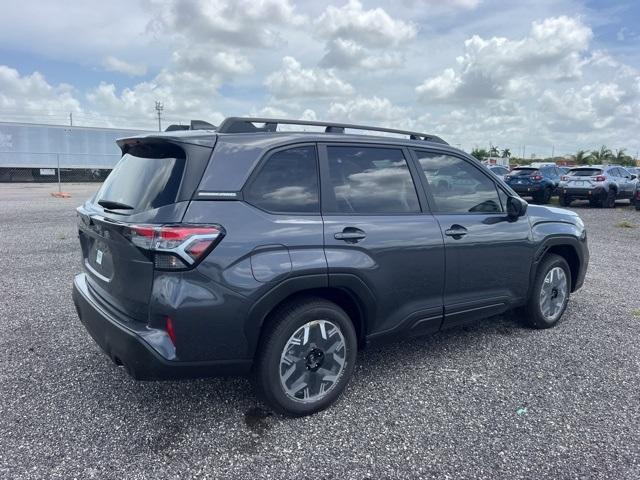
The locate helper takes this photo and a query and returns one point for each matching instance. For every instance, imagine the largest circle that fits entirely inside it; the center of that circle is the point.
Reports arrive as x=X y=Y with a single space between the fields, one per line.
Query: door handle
x=350 y=234
x=456 y=231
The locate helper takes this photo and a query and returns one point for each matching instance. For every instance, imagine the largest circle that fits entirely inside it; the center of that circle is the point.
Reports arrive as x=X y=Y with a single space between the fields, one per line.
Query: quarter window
x=370 y=180
x=287 y=182
x=457 y=186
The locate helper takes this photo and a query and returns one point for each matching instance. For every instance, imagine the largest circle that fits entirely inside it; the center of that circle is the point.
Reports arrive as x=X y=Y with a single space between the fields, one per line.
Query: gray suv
x=602 y=185
x=243 y=249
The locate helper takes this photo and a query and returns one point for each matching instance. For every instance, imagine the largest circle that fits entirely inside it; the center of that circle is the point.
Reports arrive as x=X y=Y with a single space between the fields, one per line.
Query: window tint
x=584 y=172
x=287 y=182
x=143 y=183
x=624 y=172
x=371 y=180
x=457 y=186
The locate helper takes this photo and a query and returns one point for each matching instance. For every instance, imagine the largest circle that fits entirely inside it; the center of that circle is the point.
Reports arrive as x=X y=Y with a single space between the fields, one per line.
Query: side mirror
x=633 y=177
x=516 y=207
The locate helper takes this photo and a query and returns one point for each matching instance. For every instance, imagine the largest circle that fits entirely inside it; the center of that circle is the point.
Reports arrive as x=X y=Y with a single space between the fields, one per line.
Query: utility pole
x=159 y=108
x=71 y=119
x=553 y=150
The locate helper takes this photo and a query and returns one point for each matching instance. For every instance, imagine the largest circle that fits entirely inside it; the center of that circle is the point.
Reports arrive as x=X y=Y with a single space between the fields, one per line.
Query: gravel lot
x=490 y=400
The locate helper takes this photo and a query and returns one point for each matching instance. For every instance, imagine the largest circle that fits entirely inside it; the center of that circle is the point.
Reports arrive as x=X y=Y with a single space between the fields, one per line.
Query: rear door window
x=140 y=183
x=370 y=180
x=286 y=182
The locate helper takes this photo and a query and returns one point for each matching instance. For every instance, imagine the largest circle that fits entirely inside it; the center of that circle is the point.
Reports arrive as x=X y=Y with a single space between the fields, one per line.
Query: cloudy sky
x=558 y=74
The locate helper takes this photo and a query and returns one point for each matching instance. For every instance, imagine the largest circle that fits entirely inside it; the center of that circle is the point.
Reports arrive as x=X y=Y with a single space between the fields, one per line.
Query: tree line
x=581 y=157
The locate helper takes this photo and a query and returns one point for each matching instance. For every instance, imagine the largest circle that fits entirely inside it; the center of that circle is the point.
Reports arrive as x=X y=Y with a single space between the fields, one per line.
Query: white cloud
x=367 y=110
x=293 y=81
x=114 y=64
x=237 y=23
x=31 y=96
x=347 y=54
x=373 y=28
x=202 y=60
x=500 y=67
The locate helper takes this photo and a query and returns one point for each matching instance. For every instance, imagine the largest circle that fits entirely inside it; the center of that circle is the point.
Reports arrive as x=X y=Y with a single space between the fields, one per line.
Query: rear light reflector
x=176 y=247
x=599 y=178
x=564 y=178
x=536 y=178
x=170 y=330
x=507 y=178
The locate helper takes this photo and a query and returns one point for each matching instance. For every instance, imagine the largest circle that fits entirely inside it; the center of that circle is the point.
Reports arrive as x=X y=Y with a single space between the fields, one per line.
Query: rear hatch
x=151 y=185
x=583 y=177
x=523 y=176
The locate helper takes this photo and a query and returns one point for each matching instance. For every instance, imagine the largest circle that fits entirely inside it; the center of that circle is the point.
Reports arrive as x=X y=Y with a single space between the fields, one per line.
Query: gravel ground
x=490 y=400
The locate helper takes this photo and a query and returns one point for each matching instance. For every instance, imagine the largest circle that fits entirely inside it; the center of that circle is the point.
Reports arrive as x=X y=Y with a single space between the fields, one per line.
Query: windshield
x=139 y=184
x=585 y=172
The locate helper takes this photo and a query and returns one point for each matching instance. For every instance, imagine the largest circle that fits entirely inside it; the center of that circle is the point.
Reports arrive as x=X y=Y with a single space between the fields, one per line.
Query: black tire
x=565 y=200
x=544 y=197
x=285 y=322
x=637 y=204
x=533 y=315
x=595 y=202
x=609 y=200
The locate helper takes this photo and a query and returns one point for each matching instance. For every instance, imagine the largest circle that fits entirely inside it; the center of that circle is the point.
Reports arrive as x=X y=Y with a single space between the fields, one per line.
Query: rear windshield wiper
x=111 y=205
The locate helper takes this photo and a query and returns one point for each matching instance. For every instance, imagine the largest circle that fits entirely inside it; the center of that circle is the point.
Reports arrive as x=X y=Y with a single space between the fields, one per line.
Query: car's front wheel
x=550 y=293
x=306 y=357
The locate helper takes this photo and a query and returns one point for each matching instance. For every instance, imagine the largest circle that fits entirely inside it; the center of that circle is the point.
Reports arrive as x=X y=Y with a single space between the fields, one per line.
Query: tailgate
x=117 y=271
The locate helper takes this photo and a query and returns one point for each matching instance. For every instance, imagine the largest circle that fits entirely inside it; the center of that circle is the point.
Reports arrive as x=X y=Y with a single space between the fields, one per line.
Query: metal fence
x=55 y=167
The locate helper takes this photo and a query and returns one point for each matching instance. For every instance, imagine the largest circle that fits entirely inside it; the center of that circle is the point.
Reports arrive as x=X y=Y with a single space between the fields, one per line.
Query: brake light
x=536 y=178
x=599 y=178
x=176 y=247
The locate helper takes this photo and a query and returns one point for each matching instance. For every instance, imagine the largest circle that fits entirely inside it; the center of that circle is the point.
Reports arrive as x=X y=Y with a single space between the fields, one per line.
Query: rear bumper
x=525 y=189
x=131 y=345
x=581 y=193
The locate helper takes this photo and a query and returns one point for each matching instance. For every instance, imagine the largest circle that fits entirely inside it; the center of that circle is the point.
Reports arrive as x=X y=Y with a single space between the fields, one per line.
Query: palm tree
x=582 y=157
x=494 y=151
x=603 y=155
x=621 y=155
x=479 y=153
x=506 y=153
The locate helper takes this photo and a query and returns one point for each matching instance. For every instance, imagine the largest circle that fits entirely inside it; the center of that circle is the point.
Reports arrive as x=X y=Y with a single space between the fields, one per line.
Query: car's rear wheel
x=306 y=357
x=609 y=200
x=550 y=293
x=544 y=197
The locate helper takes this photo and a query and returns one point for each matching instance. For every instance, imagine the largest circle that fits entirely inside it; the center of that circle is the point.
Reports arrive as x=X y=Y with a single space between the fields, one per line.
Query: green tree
x=494 y=151
x=506 y=153
x=479 y=153
x=582 y=157
x=603 y=155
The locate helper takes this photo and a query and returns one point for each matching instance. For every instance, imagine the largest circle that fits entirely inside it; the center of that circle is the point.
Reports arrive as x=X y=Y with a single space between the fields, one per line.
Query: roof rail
x=194 y=125
x=246 y=125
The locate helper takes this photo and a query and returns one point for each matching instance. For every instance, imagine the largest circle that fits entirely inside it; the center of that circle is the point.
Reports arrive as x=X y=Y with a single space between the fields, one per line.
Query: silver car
x=602 y=185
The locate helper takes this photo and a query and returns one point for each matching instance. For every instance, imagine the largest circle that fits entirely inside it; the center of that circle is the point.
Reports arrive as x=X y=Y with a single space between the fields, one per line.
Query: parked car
x=602 y=185
x=540 y=183
x=564 y=170
x=499 y=170
x=246 y=250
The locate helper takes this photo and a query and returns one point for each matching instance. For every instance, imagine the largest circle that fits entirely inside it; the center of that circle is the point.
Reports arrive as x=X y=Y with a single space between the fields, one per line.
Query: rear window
x=524 y=171
x=584 y=172
x=143 y=183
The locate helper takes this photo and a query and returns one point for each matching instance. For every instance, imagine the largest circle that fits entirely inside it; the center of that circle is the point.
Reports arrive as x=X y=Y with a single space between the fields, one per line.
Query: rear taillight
x=564 y=178
x=536 y=178
x=176 y=247
x=598 y=178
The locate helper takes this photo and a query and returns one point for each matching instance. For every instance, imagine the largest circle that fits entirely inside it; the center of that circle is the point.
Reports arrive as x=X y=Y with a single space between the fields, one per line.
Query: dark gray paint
x=405 y=276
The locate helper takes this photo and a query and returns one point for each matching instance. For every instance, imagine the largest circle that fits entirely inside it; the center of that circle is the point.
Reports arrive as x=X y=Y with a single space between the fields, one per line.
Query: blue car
x=538 y=183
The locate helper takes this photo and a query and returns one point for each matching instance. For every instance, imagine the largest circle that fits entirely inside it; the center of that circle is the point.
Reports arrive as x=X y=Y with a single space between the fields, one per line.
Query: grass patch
x=624 y=224
x=636 y=312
